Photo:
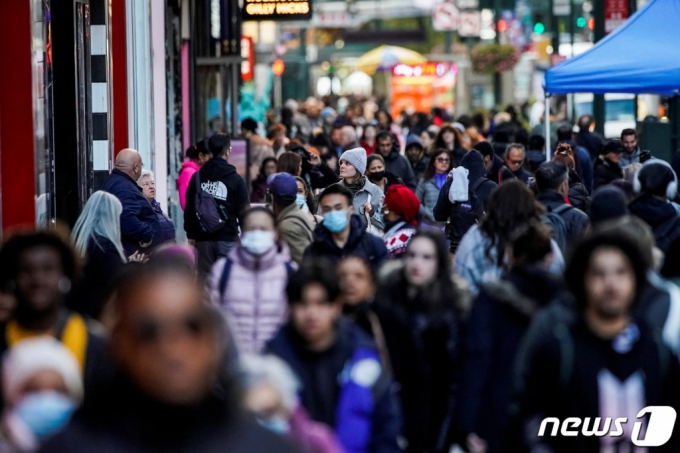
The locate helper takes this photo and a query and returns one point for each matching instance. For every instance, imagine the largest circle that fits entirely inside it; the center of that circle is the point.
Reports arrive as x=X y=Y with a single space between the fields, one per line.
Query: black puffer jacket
x=399 y=165
x=474 y=162
x=578 y=194
x=606 y=171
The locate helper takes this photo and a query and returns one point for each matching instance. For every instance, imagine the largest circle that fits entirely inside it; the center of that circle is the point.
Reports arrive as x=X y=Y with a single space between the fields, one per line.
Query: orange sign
x=278 y=67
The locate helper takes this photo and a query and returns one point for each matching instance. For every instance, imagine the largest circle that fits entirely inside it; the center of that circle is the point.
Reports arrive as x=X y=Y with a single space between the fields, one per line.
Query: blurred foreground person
x=343 y=382
x=599 y=361
x=397 y=344
x=248 y=285
x=41 y=388
x=424 y=291
x=172 y=391
x=500 y=315
x=41 y=271
x=271 y=395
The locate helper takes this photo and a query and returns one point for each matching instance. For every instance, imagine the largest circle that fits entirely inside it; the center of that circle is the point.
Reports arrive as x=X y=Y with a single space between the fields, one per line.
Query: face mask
x=258 y=242
x=335 y=221
x=275 y=424
x=44 y=413
x=377 y=175
x=300 y=200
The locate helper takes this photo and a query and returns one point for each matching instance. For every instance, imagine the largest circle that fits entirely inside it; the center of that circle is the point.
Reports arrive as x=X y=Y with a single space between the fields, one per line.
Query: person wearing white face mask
x=293 y=224
x=41 y=388
x=248 y=286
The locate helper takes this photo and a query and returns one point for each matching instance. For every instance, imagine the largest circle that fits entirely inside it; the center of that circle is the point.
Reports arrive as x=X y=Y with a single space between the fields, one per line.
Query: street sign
x=467 y=4
x=445 y=17
x=561 y=7
x=470 y=24
x=259 y=10
x=248 y=56
x=615 y=13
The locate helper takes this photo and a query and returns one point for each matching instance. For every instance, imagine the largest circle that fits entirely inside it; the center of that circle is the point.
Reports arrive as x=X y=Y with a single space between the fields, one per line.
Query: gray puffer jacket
x=361 y=198
x=428 y=194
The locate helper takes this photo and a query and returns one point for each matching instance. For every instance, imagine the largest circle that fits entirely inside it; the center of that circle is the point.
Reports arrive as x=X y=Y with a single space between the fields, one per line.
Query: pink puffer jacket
x=255 y=296
x=188 y=169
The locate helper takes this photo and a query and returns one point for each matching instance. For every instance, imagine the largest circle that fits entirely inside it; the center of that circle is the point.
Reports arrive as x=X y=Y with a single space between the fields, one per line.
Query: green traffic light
x=581 y=22
x=539 y=28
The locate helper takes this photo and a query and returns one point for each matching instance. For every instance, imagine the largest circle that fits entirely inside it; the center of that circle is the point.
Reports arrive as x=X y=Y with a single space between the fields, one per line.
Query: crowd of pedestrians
x=416 y=284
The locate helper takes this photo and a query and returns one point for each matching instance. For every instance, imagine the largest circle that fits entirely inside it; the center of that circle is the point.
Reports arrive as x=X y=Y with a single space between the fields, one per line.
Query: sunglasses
x=443 y=160
x=517 y=162
x=195 y=327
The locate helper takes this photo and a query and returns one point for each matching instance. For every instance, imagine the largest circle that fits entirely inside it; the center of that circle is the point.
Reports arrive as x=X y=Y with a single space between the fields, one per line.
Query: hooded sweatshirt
x=219 y=178
x=659 y=215
x=474 y=162
x=188 y=169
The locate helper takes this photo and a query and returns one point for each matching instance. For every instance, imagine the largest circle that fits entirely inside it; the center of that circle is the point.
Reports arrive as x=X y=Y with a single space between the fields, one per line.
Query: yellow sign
x=261 y=10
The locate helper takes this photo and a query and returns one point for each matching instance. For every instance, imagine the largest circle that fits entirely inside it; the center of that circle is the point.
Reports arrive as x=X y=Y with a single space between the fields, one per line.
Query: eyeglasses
x=516 y=162
x=443 y=160
x=195 y=326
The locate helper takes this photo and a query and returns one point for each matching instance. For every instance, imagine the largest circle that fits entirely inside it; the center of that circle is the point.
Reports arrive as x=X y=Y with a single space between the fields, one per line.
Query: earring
x=64 y=285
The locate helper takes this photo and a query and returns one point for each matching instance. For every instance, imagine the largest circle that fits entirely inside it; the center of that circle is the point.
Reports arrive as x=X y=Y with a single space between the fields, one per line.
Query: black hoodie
x=399 y=165
x=661 y=216
x=474 y=162
x=219 y=178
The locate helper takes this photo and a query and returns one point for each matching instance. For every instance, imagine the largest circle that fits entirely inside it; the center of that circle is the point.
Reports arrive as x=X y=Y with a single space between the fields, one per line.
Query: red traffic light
x=278 y=67
x=591 y=24
x=502 y=26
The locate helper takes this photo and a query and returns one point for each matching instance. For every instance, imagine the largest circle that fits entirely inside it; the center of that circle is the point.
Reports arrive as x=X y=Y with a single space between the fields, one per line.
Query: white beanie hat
x=356 y=157
x=31 y=356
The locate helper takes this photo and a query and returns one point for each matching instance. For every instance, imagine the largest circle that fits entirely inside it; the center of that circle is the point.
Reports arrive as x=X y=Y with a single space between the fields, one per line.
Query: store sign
x=561 y=7
x=260 y=10
x=615 y=13
x=248 y=55
x=445 y=17
x=427 y=69
x=470 y=24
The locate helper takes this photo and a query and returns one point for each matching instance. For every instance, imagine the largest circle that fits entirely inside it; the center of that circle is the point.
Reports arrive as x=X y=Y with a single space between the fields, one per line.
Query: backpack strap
x=224 y=278
x=475 y=185
x=290 y=270
x=60 y=326
x=566 y=353
x=561 y=209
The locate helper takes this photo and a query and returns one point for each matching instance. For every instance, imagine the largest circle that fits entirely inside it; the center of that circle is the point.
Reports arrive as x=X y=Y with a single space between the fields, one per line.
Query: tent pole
x=546 y=117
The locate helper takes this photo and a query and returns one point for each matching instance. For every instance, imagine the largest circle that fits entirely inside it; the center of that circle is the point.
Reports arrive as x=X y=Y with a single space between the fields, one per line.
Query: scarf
x=355 y=187
x=440 y=180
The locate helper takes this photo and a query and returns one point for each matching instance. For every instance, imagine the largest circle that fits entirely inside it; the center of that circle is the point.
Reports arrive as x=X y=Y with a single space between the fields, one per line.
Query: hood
x=474 y=162
x=653 y=211
x=190 y=164
x=217 y=169
x=396 y=151
x=357 y=227
x=279 y=254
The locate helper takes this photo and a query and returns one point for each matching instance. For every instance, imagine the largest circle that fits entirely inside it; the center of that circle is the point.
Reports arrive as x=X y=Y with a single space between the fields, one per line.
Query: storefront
x=420 y=88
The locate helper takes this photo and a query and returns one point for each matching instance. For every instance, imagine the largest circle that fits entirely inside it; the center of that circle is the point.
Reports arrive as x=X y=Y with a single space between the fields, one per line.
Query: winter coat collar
x=357 y=228
x=279 y=254
x=652 y=210
x=125 y=176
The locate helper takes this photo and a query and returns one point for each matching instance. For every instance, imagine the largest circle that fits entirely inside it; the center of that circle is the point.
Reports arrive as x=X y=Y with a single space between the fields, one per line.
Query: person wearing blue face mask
x=343 y=233
x=306 y=202
x=293 y=225
x=42 y=387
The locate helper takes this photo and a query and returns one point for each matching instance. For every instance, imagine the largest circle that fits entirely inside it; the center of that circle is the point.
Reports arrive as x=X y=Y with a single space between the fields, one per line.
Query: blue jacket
x=138 y=222
x=349 y=380
x=360 y=243
x=166 y=224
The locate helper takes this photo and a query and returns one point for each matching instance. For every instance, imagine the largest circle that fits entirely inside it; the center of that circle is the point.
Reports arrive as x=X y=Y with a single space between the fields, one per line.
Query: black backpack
x=211 y=217
x=464 y=215
x=559 y=227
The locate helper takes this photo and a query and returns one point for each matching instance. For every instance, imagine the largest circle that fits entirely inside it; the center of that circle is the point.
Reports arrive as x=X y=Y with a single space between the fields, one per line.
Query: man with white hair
x=139 y=225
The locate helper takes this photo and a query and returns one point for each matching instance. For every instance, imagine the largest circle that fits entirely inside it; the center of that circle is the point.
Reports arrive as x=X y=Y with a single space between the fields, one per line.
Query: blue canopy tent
x=642 y=56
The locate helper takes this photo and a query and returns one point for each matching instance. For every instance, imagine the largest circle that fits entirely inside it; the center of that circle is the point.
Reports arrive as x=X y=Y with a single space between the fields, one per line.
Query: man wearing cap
x=607 y=167
x=416 y=156
x=294 y=226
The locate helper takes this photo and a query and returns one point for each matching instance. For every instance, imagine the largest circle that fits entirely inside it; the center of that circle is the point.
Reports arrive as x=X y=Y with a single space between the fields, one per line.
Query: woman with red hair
x=400 y=215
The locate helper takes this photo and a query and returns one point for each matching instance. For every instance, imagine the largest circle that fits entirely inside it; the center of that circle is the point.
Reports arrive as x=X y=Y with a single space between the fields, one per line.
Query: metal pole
x=235 y=78
x=546 y=119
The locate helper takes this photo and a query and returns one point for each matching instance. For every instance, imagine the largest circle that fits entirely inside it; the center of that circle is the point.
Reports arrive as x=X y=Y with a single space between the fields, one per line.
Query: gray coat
x=428 y=194
x=361 y=198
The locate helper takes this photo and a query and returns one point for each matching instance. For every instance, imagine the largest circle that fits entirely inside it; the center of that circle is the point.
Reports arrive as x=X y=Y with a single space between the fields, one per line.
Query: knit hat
x=608 y=203
x=402 y=201
x=283 y=188
x=31 y=356
x=355 y=157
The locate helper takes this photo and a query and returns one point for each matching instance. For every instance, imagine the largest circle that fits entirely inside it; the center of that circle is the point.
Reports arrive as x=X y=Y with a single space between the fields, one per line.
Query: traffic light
x=581 y=22
x=539 y=28
x=502 y=26
x=591 y=23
